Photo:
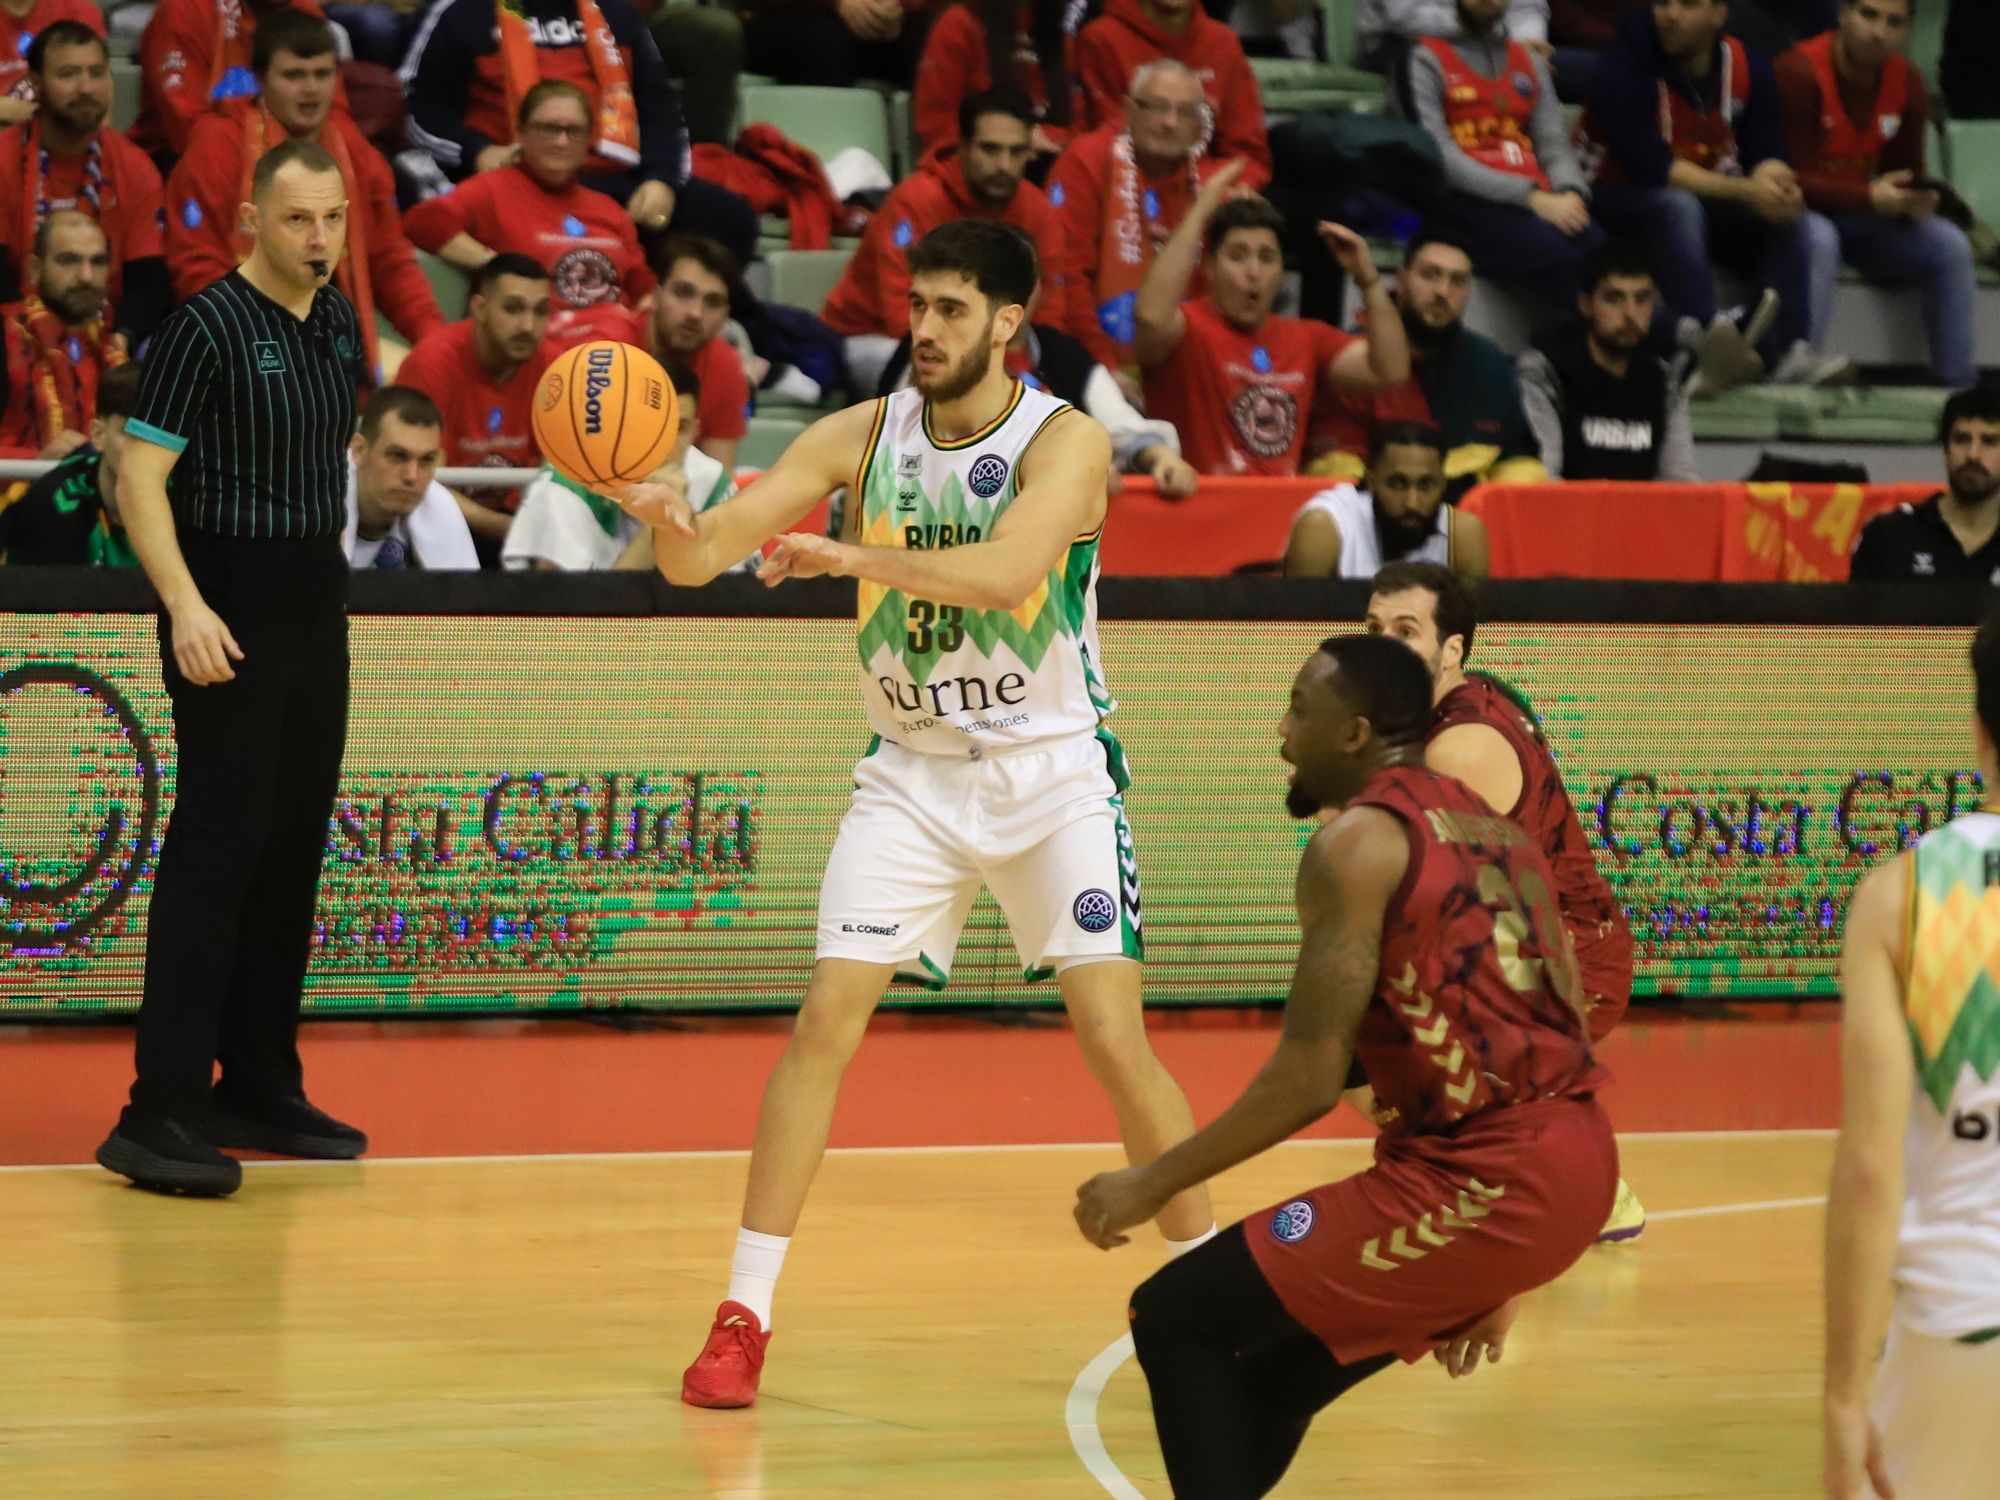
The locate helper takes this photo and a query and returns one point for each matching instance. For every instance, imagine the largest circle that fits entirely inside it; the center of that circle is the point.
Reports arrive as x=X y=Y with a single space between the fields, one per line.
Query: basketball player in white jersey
x=978 y=504
x=1913 y=1215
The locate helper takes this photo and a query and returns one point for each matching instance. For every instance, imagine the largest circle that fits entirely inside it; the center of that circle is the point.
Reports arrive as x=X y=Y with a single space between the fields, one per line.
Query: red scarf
x=63 y=383
x=34 y=205
x=617 y=108
x=351 y=274
x=1130 y=239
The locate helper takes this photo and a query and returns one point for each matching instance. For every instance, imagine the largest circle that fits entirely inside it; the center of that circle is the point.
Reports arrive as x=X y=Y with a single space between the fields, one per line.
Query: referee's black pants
x=230 y=927
x=1235 y=1379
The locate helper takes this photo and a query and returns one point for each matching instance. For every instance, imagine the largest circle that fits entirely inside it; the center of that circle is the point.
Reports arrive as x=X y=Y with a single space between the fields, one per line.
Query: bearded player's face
x=1320 y=738
x=954 y=336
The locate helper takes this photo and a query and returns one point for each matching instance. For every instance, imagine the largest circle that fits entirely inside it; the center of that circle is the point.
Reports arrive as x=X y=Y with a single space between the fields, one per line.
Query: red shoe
x=725 y=1374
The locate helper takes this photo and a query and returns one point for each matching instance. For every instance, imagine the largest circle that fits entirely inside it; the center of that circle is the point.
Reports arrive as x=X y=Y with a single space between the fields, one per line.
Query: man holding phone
x=1855 y=115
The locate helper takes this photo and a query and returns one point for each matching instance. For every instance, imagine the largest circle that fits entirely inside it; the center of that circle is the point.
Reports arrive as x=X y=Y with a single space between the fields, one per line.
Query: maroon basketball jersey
x=1544 y=811
x=1467 y=1014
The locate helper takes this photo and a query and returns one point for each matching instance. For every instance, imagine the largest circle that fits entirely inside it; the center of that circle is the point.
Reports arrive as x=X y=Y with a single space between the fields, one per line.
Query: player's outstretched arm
x=1061 y=498
x=1350 y=870
x=1864 y=1202
x=1159 y=323
x=690 y=547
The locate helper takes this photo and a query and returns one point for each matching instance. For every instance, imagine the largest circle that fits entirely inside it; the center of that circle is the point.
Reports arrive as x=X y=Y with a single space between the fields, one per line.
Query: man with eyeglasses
x=1345 y=532
x=597 y=272
x=1121 y=191
x=1131 y=33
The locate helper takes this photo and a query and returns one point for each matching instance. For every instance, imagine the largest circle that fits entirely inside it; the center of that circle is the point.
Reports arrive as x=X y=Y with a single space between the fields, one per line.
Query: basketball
x=605 y=413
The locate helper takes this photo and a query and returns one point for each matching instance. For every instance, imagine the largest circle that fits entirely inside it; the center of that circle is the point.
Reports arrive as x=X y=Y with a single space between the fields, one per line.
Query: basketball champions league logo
x=988 y=476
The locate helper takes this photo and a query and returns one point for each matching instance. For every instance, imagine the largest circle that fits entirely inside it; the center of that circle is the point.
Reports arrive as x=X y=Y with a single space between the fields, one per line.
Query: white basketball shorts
x=1043 y=828
x=1935 y=1408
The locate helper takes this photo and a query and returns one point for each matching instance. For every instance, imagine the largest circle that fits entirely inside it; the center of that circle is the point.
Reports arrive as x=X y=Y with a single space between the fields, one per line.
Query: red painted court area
x=473 y=1088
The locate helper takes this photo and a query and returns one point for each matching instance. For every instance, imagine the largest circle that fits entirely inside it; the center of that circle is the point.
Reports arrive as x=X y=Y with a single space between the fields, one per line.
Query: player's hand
x=1854 y=1469
x=1485 y=1339
x=800 y=554
x=1350 y=250
x=63 y=444
x=660 y=503
x=1113 y=1202
x=203 y=646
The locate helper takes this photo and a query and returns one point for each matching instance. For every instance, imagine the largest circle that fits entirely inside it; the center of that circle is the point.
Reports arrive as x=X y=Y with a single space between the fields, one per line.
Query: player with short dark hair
x=1485 y=734
x=1432 y=952
x=1398 y=512
x=976 y=505
x=1953 y=537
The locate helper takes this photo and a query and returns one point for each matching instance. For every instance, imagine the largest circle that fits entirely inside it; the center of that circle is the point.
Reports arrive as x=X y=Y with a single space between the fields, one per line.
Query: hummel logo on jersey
x=269 y=360
x=1923 y=564
x=906 y=501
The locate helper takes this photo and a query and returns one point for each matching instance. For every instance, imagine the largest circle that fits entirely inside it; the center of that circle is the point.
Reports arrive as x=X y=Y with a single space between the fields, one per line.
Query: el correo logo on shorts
x=988 y=476
x=1293 y=1222
x=869 y=929
x=1095 y=911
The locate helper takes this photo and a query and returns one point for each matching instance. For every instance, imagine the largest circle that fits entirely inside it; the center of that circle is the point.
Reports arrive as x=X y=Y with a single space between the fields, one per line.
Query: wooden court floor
x=514 y=1330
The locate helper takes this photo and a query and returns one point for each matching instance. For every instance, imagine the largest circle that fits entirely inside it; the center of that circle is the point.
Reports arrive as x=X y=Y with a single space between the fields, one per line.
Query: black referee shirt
x=1915 y=542
x=260 y=406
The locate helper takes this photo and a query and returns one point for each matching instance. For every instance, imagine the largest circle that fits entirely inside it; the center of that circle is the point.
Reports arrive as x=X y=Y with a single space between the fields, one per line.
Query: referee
x=248 y=403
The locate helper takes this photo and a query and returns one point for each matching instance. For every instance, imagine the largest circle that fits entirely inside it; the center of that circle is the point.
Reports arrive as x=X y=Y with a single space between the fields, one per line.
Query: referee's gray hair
x=308 y=154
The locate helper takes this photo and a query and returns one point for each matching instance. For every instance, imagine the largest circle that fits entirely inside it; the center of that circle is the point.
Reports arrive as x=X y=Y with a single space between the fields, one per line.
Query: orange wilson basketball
x=605 y=413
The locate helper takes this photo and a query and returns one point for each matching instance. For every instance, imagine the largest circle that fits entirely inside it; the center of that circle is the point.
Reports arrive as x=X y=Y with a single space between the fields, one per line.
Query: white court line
x=1080 y=1411
x=717 y=1155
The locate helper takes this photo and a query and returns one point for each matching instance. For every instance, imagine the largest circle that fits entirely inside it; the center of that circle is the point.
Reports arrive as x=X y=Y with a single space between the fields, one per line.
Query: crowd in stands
x=1625 y=169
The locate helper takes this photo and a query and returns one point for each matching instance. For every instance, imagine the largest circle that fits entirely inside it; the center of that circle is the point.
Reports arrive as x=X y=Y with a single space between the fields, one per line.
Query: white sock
x=1177 y=1248
x=753 y=1273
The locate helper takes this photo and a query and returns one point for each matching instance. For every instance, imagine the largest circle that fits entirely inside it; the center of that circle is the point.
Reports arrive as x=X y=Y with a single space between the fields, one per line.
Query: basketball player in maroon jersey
x=1431 y=949
x=1487 y=737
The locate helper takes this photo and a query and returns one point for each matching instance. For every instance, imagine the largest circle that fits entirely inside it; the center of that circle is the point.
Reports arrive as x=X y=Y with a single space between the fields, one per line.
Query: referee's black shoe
x=282 y=1127
x=168 y=1154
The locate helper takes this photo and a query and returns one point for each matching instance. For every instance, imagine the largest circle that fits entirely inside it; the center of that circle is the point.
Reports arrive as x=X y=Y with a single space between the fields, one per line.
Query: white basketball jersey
x=1353 y=513
x=1948 y=1265
x=952 y=680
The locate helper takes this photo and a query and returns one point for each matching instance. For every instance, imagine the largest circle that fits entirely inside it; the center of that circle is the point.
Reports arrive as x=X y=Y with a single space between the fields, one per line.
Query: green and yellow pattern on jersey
x=951 y=679
x=1953 y=994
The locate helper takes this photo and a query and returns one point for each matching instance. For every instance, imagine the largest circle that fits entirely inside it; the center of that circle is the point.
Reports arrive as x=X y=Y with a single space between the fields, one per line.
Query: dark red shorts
x=1441 y=1229
x=1604 y=962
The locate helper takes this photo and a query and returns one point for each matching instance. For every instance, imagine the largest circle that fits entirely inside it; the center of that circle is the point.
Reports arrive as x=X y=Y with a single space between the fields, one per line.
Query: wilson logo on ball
x=596 y=381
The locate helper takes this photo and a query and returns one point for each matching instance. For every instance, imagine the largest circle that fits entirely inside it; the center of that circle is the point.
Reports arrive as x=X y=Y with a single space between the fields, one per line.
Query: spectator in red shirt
x=482 y=372
x=1023 y=39
x=1111 y=50
x=1856 y=115
x=21 y=23
x=294 y=62
x=982 y=177
x=65 y=156
x=596 y=269
x=697 y=277
x=195 y=56
x=473 y=64
x=1237 y=381
x=1121 y=190
x=59 y=341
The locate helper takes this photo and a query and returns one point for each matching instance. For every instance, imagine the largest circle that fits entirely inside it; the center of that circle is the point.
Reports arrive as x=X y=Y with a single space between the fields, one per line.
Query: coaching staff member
x=248 y=404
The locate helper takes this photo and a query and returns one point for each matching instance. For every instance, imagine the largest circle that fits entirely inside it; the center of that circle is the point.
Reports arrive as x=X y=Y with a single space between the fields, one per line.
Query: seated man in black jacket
x=1602 y=404
x=70 y=514
x=1953 y=537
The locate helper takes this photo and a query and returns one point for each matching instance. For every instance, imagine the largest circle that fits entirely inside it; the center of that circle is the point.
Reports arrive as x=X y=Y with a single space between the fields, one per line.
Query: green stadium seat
x=902 y=135
x=449 y=285
x=826 y=120
x=802 y=278
x=767 y=438
x=1745 y=415
x=1926 y=45
x=1862 y=414
x=1972 y=155
x=1292 y=85
x=124 y=93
